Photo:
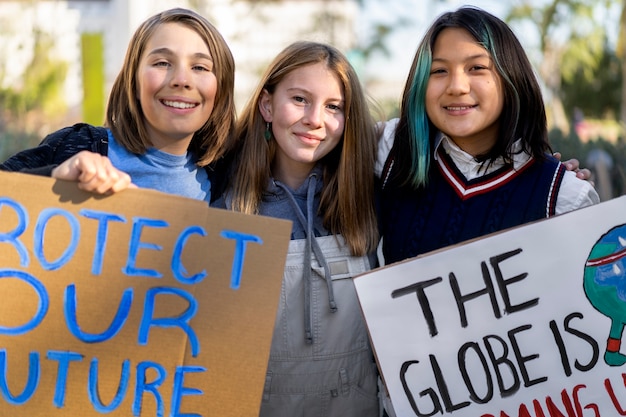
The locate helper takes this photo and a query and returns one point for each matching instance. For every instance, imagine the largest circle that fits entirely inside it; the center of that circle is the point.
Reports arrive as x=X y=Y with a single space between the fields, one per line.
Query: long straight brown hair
x=124 y=114
x=347 y=202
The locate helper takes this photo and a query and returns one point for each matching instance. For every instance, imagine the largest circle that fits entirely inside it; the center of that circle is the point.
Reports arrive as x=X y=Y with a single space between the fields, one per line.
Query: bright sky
x=419 y=14
x=404 y=40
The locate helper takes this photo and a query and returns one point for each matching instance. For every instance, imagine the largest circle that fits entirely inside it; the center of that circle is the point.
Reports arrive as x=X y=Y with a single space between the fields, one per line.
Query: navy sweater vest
x=450 y=209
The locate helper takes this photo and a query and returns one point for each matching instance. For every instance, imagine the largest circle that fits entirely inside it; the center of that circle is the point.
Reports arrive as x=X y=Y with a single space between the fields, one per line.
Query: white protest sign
x=514 y=324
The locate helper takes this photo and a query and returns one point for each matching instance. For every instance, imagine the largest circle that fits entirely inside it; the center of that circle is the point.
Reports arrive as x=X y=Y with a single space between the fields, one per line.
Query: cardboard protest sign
x=135 y=304
x=514 y=324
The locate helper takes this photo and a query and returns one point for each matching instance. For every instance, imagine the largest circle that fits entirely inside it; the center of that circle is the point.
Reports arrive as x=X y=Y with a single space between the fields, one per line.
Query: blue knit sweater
x=65 y=143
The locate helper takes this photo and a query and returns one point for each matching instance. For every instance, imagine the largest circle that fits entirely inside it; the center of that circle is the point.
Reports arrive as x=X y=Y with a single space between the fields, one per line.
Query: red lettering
x=538 y=409
x=523 y=411
x=591 y=406
x=567 y=402
x=611 y=392
x=571 y=404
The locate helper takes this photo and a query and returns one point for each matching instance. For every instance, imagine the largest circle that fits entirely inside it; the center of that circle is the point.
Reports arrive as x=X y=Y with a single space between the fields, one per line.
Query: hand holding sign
x=139 y=303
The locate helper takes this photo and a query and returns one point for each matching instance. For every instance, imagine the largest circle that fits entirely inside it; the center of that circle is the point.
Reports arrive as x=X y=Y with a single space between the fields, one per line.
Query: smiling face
x=307 y=115
x=176 y=86
x=464 y=96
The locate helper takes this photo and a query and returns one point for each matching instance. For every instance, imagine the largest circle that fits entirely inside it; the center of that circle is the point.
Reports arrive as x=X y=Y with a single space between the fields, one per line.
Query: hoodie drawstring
x=311 y=245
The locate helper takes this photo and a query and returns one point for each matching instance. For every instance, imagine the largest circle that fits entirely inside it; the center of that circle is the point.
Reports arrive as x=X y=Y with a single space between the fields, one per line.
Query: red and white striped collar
x=469 y=177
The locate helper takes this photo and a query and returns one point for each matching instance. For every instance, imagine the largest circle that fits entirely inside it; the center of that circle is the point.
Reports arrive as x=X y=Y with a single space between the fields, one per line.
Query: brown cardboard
x=233 y=326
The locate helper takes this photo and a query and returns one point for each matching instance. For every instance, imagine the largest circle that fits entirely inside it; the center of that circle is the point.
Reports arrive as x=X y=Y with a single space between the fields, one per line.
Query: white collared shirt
x=574 y=193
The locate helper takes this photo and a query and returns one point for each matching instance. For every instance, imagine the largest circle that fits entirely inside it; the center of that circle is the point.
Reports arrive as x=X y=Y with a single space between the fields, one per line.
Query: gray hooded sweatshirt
x=321 y=362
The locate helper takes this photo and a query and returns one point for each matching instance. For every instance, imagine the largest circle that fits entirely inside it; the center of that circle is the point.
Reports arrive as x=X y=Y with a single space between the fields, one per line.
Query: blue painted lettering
x=94 y=395
x=101 y=238
x=240 y=254
x=42 y=307
x=31 y=384
x=64 y=358
x=136 y=244
x=38 y=240
x=180 y=390
x=11 y=236
x=116 y=325
x=142 y=385
x=178 y=269
x=181 y=321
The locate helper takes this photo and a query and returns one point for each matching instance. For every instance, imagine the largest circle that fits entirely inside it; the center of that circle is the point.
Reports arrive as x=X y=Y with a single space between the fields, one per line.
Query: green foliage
x=379 y=34
x=578 y=67
x=34 y=101
x=40 y=89
x=41 y=86
x=595 y=91
x=567 y=27
x=12 y=142
x=571 y=146
x=584 y=52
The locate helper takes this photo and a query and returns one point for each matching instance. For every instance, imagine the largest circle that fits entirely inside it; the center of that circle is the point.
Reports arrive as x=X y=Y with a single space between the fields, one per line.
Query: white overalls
x=334 y=373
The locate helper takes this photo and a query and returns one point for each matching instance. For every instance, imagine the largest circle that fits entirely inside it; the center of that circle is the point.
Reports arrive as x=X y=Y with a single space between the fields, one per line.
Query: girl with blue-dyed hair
x=470 y=152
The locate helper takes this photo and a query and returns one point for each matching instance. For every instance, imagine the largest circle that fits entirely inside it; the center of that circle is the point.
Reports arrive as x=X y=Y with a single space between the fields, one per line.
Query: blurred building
x=22 y=25
x=92 y=35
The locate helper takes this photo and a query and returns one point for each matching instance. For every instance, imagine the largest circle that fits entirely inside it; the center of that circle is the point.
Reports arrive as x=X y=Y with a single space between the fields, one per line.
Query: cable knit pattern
x=440 y=214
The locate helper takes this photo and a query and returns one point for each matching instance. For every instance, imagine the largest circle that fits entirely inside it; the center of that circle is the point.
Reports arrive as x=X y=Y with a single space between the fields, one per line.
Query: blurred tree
x=331 y=21
x=598 y=96
x=39 y=91
x=29 y=104
x=621 y=54
x=376 y=43
x=570 y=40
x=570 y=146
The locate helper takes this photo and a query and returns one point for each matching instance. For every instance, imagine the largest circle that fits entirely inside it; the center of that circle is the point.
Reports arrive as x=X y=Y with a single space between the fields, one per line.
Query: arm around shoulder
x=575 y=194
x=55 y=148
x=385 y=143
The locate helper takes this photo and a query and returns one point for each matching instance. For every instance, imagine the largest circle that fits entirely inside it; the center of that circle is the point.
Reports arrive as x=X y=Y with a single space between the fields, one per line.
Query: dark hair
x=523 y=115
x=125 y=116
